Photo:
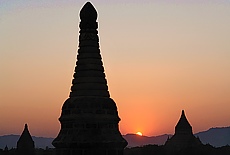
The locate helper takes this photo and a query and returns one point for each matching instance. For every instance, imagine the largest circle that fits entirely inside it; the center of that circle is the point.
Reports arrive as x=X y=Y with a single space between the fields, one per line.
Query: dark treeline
x=146 y=150
x=159 y=150
x=13 y=151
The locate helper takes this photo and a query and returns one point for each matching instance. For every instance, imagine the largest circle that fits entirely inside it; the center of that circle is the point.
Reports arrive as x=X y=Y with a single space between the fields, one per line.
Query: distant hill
x=136 y=140
x=215 y=136
x=11 y=141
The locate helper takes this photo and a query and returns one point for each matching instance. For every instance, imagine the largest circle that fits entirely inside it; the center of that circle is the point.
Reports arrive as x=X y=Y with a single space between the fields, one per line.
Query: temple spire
x=183 y=137
x=183 y=126
x=25 y=144
x=25 y=136
x=89 y=77
x=89 y=118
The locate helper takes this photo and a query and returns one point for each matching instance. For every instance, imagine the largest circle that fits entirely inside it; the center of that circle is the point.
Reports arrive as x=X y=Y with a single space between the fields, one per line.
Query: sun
x=139 y=133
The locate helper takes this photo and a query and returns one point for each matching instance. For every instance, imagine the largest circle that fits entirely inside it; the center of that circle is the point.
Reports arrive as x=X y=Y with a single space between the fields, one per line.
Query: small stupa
x=25 y=144
x=5 y=151
x=89 y=118
x=183 y=137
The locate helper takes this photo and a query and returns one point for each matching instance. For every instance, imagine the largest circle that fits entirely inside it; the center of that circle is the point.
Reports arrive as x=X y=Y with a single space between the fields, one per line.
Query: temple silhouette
x=89 y=118
x=183 y=137
x=25 y=144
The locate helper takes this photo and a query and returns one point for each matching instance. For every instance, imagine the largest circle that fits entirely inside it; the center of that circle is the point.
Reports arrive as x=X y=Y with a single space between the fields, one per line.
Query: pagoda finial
x=88 y=16
x=182 y=114
x=26 y=127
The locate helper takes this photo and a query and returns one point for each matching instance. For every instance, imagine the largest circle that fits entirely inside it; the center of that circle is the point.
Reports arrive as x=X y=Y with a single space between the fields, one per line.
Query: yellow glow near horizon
x=139 y=133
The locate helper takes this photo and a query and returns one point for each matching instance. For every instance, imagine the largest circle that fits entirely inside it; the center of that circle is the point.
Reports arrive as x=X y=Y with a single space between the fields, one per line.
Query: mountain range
x=215 y=136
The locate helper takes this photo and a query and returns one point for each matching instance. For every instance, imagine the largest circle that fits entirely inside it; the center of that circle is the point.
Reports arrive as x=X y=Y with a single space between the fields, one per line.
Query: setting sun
x=139 y=133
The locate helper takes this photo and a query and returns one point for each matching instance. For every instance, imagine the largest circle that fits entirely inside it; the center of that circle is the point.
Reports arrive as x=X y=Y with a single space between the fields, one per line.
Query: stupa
x=183 y=137
x=25 y=144
x=89 y=118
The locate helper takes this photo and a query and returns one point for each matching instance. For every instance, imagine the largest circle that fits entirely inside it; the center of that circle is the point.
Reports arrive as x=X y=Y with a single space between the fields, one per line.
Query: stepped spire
x=89 y=77
x=89 y=118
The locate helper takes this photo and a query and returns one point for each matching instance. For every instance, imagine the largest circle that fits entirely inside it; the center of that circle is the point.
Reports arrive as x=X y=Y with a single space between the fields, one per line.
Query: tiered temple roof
x=183 y=137
x=25 y=144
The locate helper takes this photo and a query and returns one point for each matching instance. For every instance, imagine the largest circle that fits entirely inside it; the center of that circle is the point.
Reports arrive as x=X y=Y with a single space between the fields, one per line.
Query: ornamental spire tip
x=88 y=12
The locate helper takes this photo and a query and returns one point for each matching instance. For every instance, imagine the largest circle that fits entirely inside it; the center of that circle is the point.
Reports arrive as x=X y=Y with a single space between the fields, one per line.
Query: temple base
x=89 y=151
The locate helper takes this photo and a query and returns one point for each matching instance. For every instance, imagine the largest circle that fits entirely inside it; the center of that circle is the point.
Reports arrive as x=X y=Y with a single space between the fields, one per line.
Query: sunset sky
x=160 y=56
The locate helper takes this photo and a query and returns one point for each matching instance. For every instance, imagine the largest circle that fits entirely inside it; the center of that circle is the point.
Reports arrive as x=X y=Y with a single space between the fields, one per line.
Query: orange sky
x=159 y=56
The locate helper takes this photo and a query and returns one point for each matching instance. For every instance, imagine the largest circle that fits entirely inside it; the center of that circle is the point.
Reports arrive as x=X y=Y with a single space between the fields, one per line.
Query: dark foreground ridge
x=143 y=150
